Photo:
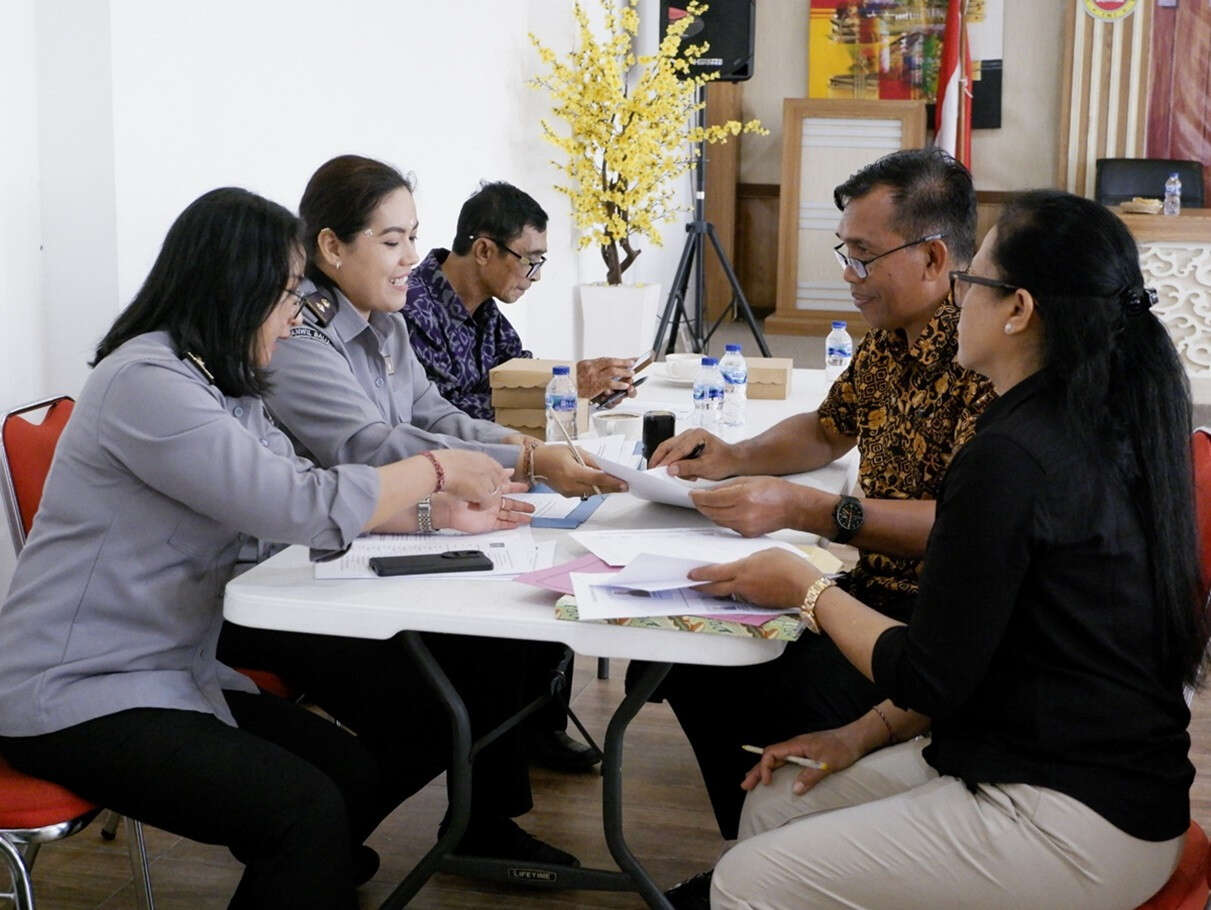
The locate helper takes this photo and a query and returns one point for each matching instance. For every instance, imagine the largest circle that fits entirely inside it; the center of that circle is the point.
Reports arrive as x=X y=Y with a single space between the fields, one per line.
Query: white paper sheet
x=619 y=547
x=549 y=505
x=512 y=552
x=656 y=485
x=615 y=447
x=651 y=572
x=595 y=600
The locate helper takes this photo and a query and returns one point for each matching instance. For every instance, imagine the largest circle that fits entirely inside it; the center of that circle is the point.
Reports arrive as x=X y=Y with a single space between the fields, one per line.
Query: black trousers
x=374 y=688
x=811 y=686
x=288 y=792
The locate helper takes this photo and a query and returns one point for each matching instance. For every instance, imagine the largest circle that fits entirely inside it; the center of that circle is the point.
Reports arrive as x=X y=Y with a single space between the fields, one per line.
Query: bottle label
x=561 y=402
x=737 y=377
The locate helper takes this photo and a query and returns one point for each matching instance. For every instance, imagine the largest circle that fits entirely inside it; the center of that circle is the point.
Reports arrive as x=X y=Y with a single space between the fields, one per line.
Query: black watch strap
x=848 y=516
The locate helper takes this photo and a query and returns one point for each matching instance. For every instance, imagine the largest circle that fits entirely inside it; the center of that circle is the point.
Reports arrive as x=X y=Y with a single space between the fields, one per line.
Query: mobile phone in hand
x=430 y=563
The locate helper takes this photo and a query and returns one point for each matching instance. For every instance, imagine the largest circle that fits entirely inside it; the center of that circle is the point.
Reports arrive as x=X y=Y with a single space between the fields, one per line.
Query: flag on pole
x=952 y=115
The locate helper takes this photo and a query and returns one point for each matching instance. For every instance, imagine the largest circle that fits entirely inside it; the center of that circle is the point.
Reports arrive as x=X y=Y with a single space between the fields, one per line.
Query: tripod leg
x=738 y=297
x=674 y=307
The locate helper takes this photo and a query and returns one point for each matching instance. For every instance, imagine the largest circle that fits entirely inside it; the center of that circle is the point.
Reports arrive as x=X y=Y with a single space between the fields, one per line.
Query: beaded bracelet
x=891 y=734
x=438 y=470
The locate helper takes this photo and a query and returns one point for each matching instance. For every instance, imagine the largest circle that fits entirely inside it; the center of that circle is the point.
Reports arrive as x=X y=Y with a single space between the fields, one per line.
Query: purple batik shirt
x=457 y=348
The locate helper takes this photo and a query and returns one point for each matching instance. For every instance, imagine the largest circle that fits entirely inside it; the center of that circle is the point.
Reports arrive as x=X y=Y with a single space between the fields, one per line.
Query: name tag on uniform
x=306 y=331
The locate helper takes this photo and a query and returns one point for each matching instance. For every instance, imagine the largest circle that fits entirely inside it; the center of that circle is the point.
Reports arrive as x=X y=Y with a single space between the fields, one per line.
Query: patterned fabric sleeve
x=838 y=412
x=427 y=337
x=508 y=342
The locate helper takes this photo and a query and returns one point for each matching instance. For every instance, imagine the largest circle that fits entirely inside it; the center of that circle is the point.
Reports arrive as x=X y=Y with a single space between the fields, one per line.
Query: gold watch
x=807 y=612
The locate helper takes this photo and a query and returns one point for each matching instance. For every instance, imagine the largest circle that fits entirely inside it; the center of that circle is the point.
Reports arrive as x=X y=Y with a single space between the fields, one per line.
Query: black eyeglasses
x=320 y=307
x=977 y=279
x=861 y=267
x=533 y=266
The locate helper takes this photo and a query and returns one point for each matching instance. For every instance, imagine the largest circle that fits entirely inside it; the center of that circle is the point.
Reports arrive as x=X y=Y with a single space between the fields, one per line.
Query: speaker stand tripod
x=693 y=257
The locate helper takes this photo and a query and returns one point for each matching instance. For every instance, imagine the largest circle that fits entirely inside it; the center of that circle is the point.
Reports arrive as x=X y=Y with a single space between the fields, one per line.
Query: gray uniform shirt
x=116 y=600
x=355 y=392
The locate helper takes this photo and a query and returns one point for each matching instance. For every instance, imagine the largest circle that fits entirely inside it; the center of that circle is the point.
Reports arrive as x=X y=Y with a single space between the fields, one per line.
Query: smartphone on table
x=430 y=563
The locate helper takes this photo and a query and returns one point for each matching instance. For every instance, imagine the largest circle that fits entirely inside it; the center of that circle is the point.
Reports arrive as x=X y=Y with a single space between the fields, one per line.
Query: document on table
x=654 y=586
x=615 y=447
x=655 y=485
x=512 y=552
x=619 y=547
x=554 y=511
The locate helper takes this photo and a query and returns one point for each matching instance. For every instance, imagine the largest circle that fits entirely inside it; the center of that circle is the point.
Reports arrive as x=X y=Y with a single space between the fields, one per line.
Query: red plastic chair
x=35 y=811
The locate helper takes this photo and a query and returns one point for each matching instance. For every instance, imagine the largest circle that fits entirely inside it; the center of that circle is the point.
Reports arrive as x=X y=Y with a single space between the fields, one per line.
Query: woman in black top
x=1059 y=616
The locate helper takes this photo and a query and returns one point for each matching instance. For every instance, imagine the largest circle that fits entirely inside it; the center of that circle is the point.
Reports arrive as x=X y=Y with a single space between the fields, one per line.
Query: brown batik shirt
x=911 y=408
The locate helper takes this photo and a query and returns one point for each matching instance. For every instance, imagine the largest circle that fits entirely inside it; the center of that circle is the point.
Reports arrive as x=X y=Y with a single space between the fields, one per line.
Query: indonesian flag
x=952 y=117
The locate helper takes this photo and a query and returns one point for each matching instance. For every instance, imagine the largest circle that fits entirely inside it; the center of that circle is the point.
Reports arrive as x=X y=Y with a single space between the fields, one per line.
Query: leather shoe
x=556 y=750
x=692 y=894
x=503 y=838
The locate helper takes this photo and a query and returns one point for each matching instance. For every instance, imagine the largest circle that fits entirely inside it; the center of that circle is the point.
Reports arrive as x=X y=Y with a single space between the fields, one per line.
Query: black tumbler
x=657 y=427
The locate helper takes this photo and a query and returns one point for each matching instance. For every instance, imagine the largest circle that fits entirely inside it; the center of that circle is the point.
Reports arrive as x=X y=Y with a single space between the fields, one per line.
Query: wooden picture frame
x=824 y=141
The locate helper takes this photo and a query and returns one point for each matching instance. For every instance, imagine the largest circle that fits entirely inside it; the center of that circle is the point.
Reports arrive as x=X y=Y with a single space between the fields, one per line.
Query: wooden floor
x=669 y=825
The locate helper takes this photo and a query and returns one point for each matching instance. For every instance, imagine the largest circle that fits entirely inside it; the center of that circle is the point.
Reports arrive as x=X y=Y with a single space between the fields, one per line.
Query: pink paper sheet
x=556 y=577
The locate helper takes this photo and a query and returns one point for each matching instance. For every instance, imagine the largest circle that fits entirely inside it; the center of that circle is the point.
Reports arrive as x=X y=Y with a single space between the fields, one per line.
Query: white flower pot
x=618 y=320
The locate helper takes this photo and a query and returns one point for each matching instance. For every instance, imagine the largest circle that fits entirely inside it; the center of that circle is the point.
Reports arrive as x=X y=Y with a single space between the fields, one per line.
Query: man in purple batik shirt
x=456 y=328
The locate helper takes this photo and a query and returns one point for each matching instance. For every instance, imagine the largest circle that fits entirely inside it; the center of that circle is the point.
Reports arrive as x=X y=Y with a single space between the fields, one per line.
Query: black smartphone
x=429 y=563
x=608 y=398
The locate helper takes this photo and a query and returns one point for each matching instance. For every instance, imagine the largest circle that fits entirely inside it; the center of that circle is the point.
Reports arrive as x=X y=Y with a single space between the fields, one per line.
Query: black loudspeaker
x=728 y=26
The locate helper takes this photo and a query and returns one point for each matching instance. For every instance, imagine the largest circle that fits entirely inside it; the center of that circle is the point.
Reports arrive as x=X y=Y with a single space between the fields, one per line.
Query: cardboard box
x=769 y=377
x=528 y=398
x=523 y=373
x=533 y=421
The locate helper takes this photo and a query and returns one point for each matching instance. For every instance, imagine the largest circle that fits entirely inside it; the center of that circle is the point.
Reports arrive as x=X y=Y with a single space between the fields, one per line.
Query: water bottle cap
x=709 y=362
x=838 y=324
x=1173 y=176
x=732 y=347
x=560 y=371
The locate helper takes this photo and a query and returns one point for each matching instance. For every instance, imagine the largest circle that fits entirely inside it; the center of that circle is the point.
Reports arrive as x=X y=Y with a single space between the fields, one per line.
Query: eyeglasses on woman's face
x=532 y=266
x=861 y=267
x=962 y=275
x=319 y=306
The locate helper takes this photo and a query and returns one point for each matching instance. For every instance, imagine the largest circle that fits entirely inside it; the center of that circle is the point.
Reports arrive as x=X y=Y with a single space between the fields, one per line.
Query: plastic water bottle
x=708 y=395
x=561 y=405
x=838 y=351
x=735 y=386
x=1173 y=195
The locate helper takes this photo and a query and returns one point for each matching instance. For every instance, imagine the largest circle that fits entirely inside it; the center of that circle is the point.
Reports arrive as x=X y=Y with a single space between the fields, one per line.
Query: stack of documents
x=656 y=484
x=512 y=553
x=551 y=510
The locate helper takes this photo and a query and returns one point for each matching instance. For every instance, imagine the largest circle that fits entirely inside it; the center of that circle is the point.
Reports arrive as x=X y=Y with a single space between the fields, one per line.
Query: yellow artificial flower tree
x=624 y=147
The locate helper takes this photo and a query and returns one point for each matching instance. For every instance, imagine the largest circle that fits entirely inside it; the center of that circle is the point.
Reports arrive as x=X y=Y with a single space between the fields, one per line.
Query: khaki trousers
x=889 y=832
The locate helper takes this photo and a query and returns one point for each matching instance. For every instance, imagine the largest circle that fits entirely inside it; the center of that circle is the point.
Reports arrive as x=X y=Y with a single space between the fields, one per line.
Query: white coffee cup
x=682 y=366
x=607 y=423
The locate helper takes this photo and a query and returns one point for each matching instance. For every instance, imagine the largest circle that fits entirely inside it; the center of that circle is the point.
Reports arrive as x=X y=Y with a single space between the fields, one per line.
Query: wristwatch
x=424 y=516
x=848 y=515
x=807 y=612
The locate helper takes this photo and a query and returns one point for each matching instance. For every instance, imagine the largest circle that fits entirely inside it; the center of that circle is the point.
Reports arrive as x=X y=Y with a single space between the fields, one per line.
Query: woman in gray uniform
x=109 y=683
x=353 y=391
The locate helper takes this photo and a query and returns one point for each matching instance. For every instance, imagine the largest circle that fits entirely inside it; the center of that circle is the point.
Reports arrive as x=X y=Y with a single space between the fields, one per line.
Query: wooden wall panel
x=722 y=172
x=1104 y=99
x=757 y=244
x=1179 y=103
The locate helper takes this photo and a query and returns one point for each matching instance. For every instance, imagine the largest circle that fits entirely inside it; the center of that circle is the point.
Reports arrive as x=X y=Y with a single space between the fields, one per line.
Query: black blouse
x=1033 y=641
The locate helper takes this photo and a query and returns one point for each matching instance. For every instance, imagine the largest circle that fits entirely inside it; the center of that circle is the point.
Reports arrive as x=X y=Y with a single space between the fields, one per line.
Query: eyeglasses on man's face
x=964 y=276
x=533 y=266
x=319 y=306
x=861 y=267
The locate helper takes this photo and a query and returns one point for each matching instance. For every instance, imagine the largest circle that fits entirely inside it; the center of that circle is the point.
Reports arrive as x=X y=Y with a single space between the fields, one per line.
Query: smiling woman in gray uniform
x=109 y=683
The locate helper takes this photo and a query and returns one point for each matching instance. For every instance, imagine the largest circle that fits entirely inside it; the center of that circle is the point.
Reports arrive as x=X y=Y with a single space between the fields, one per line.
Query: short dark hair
x=498 y=210
x=341 y=196
x=932 y=194
x=1117 y=381
x=224 y=265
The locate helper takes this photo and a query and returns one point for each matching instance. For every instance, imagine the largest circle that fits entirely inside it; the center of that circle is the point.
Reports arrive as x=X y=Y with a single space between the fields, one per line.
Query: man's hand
x=753 y=505
x=836 y=748
x=769 y=578
x=714 y=461
x=559 y=467
x=604 y=374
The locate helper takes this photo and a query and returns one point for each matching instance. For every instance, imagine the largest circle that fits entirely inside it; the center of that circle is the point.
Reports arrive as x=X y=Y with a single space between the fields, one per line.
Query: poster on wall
x=890 y=49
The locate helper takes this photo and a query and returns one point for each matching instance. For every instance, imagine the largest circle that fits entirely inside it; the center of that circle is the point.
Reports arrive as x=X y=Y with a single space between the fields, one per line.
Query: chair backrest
x=26 y=451
x=1119 y=179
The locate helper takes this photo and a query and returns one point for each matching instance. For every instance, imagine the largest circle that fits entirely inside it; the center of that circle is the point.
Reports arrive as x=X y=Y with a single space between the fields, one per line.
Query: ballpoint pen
x=571 y=445
x=793 y=759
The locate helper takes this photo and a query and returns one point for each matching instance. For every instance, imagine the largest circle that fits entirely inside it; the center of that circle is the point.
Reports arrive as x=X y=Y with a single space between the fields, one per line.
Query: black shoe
x=692 y=894
x=503 y=838
x=556 y=750
x=365 y=864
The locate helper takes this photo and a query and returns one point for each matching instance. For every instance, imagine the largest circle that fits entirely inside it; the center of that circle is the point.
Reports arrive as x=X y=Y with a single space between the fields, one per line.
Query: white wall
x=1022 y=153
x=21 y=359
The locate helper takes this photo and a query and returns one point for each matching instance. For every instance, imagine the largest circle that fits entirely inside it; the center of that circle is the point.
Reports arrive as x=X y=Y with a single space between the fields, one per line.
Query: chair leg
x=23 y=889
x=137 y=849
x=603 y=668
x=109 y=830
x=30 y=853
